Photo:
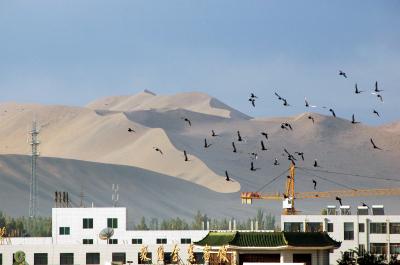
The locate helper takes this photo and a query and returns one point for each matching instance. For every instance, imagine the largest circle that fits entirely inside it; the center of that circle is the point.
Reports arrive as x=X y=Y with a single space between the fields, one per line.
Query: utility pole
x=34 y=142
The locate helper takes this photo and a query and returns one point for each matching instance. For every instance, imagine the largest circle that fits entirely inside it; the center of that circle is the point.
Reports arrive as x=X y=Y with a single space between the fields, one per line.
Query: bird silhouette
x=353 y=120
x=283 y=126
x=356 y=90
x=187 y=120
x=290 y=156
x=279 y=97
x=377 y=90
x=339 y=200
x=158 y=150
x=315 y=184
x=276 y=163
x=301 y=154
x=253 y=102
x=364 y=204
x=377 y=113
x=227 y=175
x=380 y=97
x=374 y=145
x=206 y=145
x=316 y=163
x=185 y=155
x=252 y=95
x=289 y=126
x=213 y=134
x=308 y=104
x=131 y=130
x=263 y=146
x=253 y=156
x=234 y=147
x=239 y=136
x=333 y=112
x=265 y=135
x=311 y=118
x=285 y=103
x=342 y=73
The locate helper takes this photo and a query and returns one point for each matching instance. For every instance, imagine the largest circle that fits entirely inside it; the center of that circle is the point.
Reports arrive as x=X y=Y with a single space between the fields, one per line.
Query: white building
x=366 y=229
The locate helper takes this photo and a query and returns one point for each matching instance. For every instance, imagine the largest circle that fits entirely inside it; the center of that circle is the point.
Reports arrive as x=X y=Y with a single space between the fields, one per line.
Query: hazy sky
x=74 y=51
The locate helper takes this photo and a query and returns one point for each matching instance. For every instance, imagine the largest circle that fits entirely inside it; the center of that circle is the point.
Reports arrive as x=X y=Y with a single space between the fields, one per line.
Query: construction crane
x=289 y=196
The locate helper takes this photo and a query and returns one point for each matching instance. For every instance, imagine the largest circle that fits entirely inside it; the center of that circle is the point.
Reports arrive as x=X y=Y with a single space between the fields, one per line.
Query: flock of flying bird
x=284 y=126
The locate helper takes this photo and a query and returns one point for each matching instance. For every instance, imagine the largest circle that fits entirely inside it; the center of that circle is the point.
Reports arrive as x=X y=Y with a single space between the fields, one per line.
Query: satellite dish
x=106 y=233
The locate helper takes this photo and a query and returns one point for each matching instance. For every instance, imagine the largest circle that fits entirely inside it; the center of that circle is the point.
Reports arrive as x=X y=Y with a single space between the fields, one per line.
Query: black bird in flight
x=377 y=90
x=206 y=145
x=285 y=103
x=333 y=112
x=377 y=113
x=316 y=163
x=374 y=145
x=353 y=120
x=301 y=154
x=311 y=118
x=283 y=126
x=380 y=97
x=276 y=163
x=234 y=147
x=158 y=150
x=356 y=90
x=252 y=95
x=239 y=136
x=263 y=148
x=315 y=184
x=279 y=97
x=265 y=134
x=187 y=120
x=339 y=200
x=308 y=104
x=342 y=73
x=131 y=130
x=253 y=102
x=227 y=175
x=185 y=154
x=364 y=204
x=213 y=134
x=290 y=156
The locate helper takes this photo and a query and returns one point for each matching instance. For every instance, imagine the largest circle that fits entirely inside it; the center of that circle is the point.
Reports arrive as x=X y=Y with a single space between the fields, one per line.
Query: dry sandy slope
x=79 y=133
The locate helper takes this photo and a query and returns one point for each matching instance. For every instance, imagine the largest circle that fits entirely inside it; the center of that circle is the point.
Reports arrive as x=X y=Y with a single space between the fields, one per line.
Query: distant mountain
x=90 y=148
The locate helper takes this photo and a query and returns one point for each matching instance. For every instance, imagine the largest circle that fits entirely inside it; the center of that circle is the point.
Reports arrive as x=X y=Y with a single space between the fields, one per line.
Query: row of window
x=137 y=241
x=94 y=258
x=87 y=223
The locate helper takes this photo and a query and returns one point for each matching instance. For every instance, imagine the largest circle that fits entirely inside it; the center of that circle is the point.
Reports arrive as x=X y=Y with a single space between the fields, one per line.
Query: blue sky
x=72 y=52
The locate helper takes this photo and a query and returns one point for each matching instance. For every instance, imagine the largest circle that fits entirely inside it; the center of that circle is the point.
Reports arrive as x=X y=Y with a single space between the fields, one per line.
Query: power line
x=329 y=180
x=272 y=180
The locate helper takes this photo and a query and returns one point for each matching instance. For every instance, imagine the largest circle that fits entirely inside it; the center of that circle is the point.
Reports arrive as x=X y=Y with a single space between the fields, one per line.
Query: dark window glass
x=293 y=227
x=313 y=227
x=330 y=227
x=145 y=262
x=119 y=256
x=137 y=241
x=87 y=241
x=66 y=258
x=302 y=258
x=92 y=258
x=394 y=228
x=395 y=248
x=361 y=227
x=361 y=249
x=377 y=228
x=198 y=256
x=161 y=241
x=1 y=259
x=113 y=241
x=87 y=223
x=112 y=222
x=64 y=231
x=348 y=231
x=186 y=240
x=40 y=259
x=378 y=248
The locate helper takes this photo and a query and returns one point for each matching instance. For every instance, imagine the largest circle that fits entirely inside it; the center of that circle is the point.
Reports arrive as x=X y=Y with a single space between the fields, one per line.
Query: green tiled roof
x=268 y=239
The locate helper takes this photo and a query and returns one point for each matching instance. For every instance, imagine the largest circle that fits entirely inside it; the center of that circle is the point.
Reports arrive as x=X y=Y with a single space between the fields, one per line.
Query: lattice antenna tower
x=115 y=194
x=34 y=142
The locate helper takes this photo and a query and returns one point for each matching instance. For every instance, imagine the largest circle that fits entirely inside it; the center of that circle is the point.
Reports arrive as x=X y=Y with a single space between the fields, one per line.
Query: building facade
x=365 y=229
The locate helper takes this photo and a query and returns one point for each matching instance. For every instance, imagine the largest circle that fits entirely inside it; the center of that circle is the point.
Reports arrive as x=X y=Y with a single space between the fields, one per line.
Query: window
x=92 y=258
x=394 y=248
x=40 y=259
x=302 y=258
x=313 y=227
x=87 y=223
x=161 y=241
x=1 y=259
x=394 y=228
x=145 y=262
x=293 y=227
x=64 y=231
x=66 y=258
x=112 y=222
x=198 y=256
x=378 y=248
x=168 y=258
x=113 y=241
x=330 y=227
x=361 y=227
x=348 y=231
x=186 y=240
x=137 y=241
x=86 y=241
x=377 y=228
x=119 y=256
x=361 y=249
